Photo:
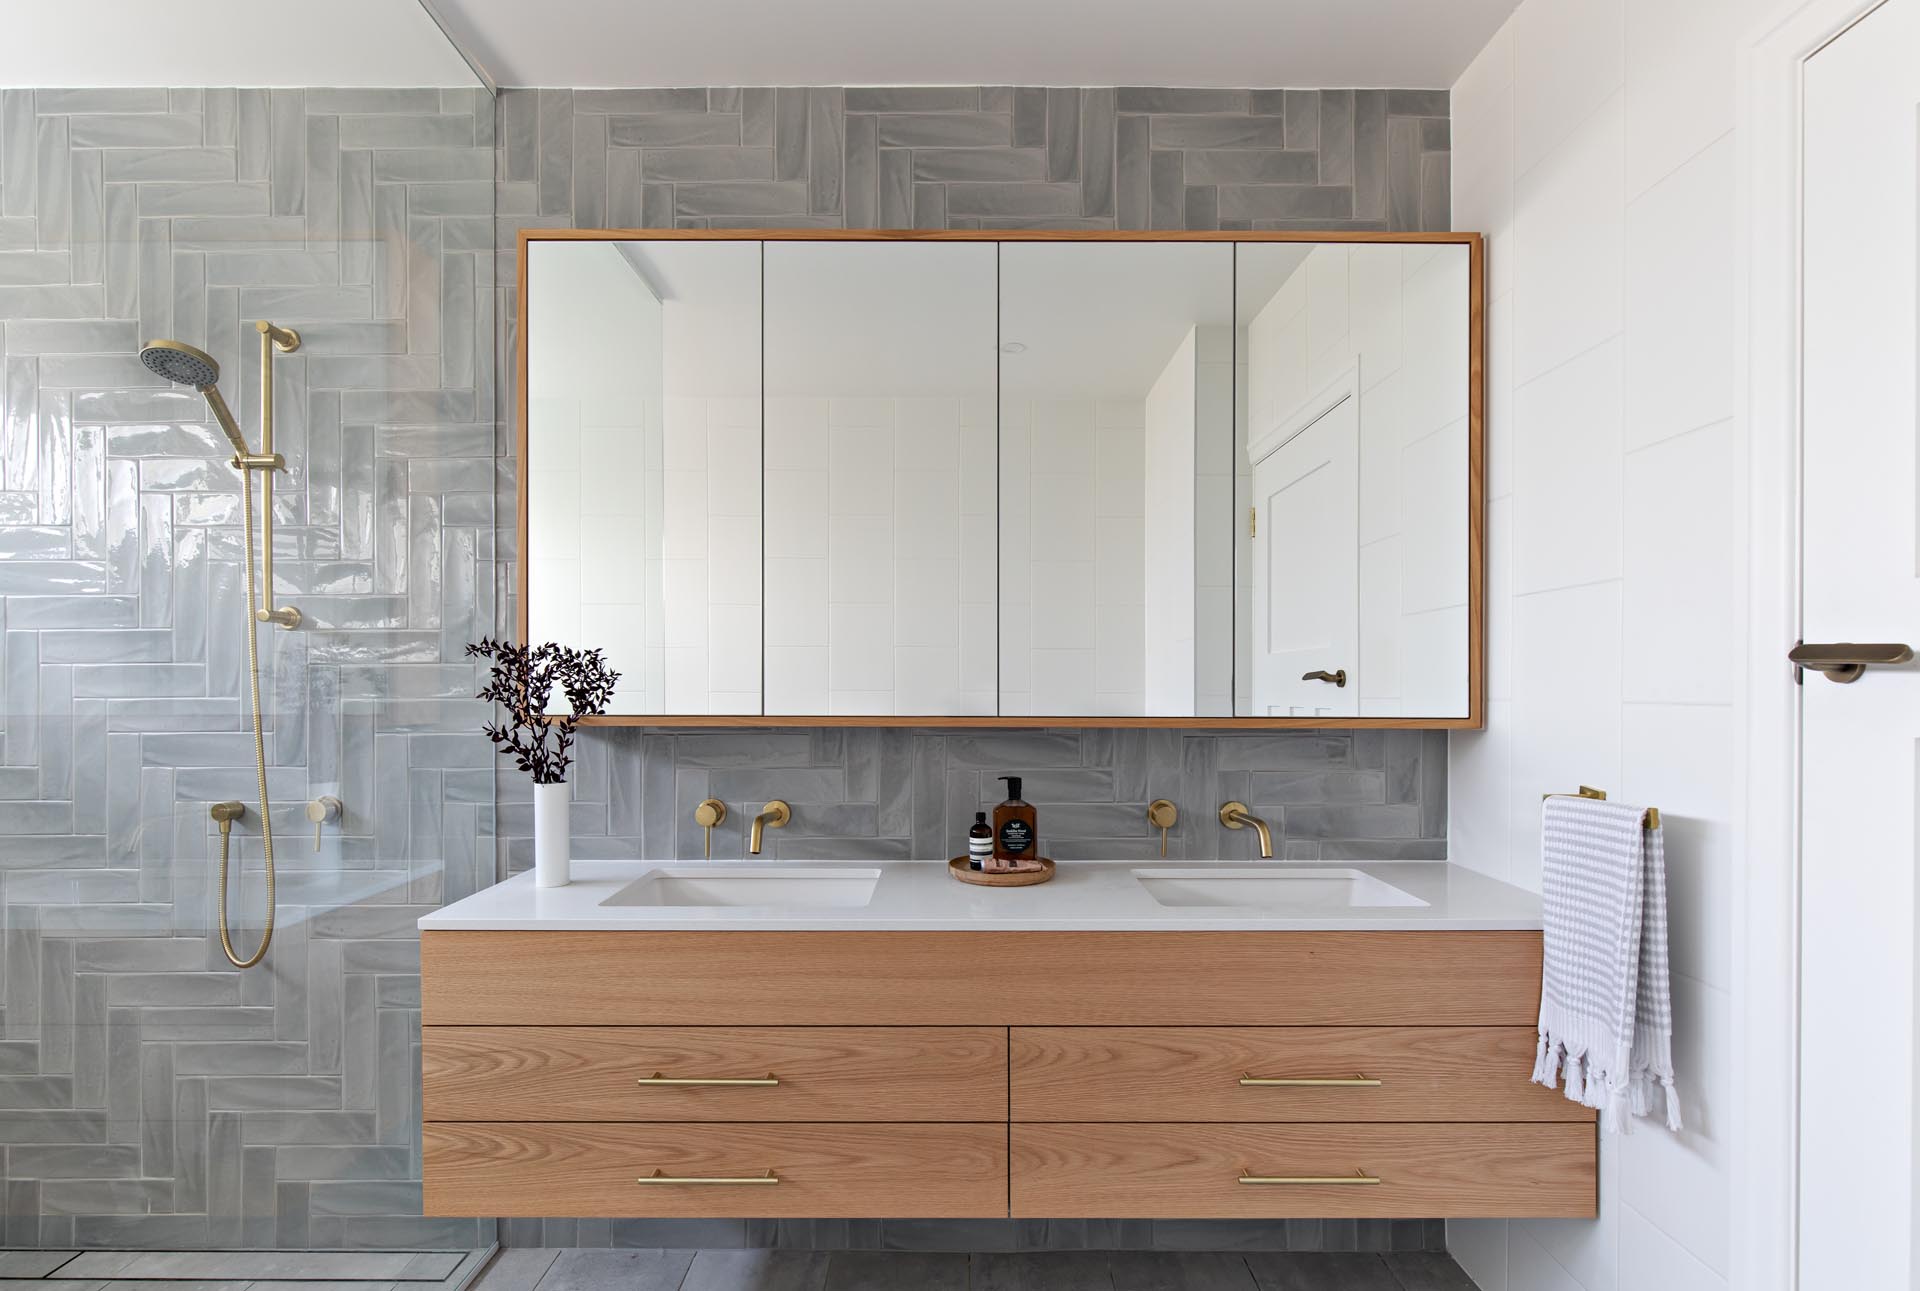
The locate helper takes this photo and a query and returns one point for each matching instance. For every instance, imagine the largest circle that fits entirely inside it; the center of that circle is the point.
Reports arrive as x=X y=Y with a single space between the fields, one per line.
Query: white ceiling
x=1408 y=43
x=1405 y=43
x=225 y=42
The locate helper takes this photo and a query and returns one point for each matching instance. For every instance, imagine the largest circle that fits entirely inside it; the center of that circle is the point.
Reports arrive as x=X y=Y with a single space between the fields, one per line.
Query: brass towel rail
x=1651 y=820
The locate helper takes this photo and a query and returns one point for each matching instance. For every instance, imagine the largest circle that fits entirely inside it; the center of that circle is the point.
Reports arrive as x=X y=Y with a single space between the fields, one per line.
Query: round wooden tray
x=961 y=868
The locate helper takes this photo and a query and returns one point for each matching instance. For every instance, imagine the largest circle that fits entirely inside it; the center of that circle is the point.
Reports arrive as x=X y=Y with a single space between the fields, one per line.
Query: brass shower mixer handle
x=1162 y=815
x=709 y=813
x=323 y=811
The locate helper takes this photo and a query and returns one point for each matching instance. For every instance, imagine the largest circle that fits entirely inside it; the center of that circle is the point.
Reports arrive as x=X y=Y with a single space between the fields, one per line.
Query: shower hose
x=259 y=754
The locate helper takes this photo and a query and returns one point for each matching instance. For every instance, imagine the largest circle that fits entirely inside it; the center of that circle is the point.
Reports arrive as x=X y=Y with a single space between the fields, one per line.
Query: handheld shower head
x=185 y=365
x=181 y=363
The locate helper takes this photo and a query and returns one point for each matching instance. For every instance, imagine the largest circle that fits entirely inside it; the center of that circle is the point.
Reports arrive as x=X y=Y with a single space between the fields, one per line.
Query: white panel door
x=1860 y=554
x=1306 y=566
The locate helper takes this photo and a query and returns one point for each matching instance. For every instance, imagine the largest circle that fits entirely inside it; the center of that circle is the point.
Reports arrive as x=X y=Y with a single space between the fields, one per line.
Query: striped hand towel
x=1606 y=1012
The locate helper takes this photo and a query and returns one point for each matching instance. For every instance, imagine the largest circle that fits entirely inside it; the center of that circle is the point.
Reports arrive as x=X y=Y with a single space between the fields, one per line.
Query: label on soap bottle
x=1016 y=836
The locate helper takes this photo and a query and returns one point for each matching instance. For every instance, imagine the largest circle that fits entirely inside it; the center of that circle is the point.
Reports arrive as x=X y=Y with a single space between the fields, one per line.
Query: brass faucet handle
x=709 y=813
x=323 y=811
x=1162 y=815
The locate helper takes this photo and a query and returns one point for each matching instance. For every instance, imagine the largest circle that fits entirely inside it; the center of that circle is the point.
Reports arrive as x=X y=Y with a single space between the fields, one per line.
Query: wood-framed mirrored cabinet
x=812 y=477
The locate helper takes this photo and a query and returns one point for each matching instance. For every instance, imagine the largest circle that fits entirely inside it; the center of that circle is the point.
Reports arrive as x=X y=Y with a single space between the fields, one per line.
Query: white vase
x=552 y=839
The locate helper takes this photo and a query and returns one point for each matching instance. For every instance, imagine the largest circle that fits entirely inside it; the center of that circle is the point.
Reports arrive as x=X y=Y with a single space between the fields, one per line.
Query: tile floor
x=548 y=1269
x=531 y=1269
x=241 y=1270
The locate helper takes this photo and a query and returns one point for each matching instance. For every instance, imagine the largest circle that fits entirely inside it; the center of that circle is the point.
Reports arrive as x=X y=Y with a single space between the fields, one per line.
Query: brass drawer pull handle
x=1358 y=1177
x=656 y=1177
x=1309 y=1082
x=658 y=1078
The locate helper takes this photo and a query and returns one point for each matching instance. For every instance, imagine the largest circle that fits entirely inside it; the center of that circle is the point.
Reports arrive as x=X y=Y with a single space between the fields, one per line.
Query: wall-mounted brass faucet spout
x=1234 y=815
x=775 y=814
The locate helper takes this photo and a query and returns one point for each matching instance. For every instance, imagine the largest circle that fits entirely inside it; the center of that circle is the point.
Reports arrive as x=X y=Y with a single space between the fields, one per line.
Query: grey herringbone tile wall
x=149 y=1094
x=974 y=157
x=910 y=794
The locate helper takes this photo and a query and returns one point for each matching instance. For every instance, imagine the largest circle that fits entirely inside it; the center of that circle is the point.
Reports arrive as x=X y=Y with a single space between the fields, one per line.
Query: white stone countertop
x=1083 y=896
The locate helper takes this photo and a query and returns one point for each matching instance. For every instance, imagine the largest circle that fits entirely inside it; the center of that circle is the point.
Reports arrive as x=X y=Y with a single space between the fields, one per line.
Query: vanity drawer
x=777 y=979
x=823 y=1171
x=823 y=1073
x=1192 y=1171
x=1195 y=1074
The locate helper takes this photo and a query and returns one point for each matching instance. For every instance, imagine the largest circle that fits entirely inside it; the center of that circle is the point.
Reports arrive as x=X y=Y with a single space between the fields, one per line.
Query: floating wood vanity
x=984 y=1070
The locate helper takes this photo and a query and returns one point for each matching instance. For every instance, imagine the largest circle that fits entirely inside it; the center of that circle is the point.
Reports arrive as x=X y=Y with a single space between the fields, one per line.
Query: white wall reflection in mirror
x=643 y=465
x=1356 y=365
x=880 y=449
x=1116 y=424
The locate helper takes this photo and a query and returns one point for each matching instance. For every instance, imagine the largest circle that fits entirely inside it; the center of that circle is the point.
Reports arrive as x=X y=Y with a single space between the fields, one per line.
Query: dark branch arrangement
x=522 y=680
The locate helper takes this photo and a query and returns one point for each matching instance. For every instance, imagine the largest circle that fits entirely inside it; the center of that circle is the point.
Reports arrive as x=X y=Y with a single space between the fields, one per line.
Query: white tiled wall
x=596 y=410
x=711 y=522
x=1072 y=556
x=880 y=551
x=1170 y=574
x=1593 y=144
x=1215 y=519
x=1395 y=314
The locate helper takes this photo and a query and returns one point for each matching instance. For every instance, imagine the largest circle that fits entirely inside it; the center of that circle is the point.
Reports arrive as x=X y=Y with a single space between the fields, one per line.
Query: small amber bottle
x=1016 y=827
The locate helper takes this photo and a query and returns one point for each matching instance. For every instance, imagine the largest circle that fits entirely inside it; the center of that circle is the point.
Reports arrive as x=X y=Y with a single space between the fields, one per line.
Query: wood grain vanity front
x=621 y=1073
x=1329 y=1074
x=516 y=978
x=1105 y=1083
x=1182 y=1171
x=817 y=1171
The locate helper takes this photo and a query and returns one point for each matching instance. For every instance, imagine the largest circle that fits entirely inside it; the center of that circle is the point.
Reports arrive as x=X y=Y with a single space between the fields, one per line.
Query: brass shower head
x=187 y=365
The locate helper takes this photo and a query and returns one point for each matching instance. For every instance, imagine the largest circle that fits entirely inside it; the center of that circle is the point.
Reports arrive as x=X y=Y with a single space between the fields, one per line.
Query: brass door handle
x=1357 y=1178
x=725 y=1180
x=659 y=1079
x=1843 y=661
x=1338 y=677
x=1310 y=1082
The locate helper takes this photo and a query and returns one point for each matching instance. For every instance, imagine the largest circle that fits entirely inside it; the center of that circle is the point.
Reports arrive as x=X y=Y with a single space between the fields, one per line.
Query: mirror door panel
x=880 y=545
x=642 y=466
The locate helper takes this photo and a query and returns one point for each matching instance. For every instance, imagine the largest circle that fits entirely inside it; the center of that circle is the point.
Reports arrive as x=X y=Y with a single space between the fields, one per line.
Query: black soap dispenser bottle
x=1016 y=826
x=979 y=842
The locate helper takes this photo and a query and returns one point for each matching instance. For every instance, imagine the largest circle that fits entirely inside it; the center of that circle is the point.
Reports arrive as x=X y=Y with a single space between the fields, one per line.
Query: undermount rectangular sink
x=759 y=886
x=1271 y=888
